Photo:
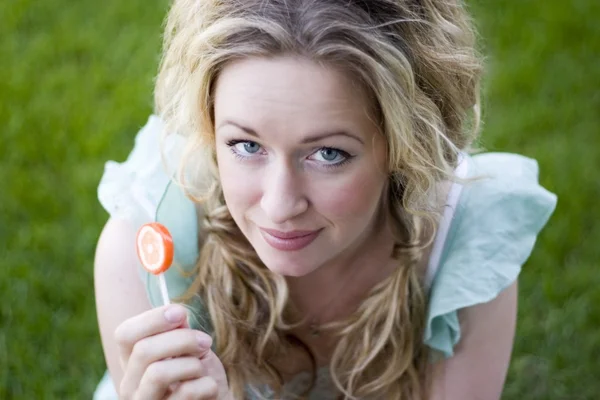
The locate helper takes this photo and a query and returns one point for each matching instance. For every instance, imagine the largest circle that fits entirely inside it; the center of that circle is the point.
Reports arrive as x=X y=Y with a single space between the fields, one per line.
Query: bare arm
x=119 y=291
x=477 y=370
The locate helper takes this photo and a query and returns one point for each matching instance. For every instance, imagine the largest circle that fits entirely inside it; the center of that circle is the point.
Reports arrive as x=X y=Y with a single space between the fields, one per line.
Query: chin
x=289 y=266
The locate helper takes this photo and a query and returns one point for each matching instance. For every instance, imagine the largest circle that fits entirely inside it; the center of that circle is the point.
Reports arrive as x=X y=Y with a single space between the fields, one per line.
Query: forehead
x=289 y=91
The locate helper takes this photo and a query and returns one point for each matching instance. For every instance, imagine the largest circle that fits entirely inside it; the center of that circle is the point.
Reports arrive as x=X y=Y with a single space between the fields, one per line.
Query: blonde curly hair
x=418 y=62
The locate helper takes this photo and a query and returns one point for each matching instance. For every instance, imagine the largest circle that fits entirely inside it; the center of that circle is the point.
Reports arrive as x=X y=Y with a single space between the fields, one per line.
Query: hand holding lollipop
x=155 y=250
x=181 y=355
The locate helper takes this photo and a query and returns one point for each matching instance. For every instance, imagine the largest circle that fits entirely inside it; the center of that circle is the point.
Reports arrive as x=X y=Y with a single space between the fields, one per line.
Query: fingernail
x=204 y=340
x=175 y=314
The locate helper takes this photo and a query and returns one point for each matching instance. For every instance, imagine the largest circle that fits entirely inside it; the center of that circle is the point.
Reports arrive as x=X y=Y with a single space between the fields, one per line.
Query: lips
x=289 y=241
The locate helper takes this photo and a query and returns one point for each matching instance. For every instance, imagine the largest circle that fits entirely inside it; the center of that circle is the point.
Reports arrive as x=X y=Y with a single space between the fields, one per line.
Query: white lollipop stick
x=163 y=289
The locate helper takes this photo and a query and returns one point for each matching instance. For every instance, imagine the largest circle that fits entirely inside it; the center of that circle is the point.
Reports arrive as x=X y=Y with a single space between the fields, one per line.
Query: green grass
x=76 y=82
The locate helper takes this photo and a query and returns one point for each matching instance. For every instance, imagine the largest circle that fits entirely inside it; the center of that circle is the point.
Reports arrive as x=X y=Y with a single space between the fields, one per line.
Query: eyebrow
x=308 y=139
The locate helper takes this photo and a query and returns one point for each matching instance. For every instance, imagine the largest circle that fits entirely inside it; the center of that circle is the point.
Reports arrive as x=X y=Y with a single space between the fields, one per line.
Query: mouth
x=289 y=241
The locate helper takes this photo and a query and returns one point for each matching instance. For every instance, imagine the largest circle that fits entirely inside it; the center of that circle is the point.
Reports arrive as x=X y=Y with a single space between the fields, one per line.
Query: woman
x=334 y=238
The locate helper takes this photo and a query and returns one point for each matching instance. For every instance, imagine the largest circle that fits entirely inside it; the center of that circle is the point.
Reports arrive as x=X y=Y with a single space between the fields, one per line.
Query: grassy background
x=76 y=82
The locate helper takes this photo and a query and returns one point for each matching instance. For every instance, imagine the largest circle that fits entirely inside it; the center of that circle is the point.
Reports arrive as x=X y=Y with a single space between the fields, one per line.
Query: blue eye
x=250 y=147
x=243 y=148
x=329 y=154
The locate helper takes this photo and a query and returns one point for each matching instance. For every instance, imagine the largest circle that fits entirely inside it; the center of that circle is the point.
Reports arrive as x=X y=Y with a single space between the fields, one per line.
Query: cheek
x=240 y=190
x=355 y=197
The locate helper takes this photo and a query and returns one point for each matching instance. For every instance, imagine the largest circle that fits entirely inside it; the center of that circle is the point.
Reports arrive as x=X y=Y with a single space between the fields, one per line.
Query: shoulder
x=503 y=183
x=115 y=251
x=501 y=210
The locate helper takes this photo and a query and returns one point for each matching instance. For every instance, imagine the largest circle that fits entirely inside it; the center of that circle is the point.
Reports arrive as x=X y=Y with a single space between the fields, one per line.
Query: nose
x=283 y=197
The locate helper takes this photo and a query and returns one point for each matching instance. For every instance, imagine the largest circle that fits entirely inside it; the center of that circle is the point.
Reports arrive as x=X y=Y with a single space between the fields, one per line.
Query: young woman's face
x=301 y=163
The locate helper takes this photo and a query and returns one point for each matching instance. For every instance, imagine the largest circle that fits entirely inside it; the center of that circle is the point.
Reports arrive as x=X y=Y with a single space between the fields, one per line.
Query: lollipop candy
x=155 y=251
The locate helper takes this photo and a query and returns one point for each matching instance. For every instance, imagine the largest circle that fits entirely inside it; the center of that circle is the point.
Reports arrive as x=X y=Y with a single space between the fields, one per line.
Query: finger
x=147 y=324
x=159 y=376
x=176 y=343
x=212 y=363
x=204 y=388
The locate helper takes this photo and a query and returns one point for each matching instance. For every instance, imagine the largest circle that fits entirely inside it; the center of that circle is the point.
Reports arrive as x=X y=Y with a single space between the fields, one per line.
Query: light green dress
x=486 y=234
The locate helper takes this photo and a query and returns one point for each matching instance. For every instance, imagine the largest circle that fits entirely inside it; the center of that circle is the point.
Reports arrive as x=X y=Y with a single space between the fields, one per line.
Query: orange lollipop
x=155 y=250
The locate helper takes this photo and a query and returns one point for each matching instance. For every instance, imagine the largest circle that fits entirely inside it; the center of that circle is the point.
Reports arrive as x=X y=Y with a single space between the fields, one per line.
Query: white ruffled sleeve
x=493 y=232
x=132 y=189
